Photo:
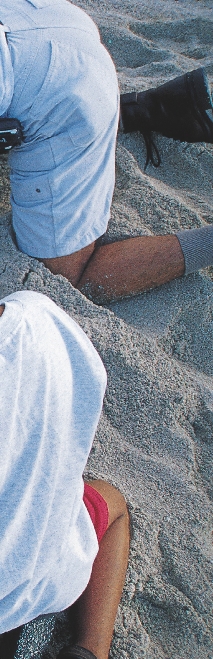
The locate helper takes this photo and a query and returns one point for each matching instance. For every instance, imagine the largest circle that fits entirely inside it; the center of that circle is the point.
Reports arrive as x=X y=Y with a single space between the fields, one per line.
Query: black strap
x=76 y=652
x=10 y=134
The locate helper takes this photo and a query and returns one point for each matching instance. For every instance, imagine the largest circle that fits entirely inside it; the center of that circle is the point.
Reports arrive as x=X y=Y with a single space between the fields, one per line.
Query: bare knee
x=71 y=266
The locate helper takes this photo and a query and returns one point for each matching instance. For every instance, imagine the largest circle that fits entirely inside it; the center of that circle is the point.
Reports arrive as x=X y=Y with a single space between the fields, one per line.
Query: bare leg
x=96 y=609
x=131 y=266
x=122 y=268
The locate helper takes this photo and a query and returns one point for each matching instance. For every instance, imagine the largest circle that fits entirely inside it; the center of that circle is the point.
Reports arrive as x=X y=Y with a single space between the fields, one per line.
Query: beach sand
x=154 y=439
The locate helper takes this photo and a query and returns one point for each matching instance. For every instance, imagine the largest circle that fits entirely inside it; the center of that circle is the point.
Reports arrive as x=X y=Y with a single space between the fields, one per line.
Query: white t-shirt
x=52 y=387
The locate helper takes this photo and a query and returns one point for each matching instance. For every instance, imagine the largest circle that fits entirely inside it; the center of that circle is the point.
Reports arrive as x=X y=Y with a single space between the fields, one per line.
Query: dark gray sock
x=197 y=248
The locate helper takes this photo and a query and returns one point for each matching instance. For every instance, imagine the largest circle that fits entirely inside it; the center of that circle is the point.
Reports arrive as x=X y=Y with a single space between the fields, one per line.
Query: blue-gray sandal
x=76 y=652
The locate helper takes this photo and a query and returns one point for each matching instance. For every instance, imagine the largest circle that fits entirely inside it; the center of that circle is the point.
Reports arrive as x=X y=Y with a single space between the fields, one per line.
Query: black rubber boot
x=9 y=643
x=175 y=109
x=75 y=652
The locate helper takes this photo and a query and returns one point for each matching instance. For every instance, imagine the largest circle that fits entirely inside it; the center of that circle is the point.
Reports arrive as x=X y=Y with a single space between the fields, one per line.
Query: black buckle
x=10 y=134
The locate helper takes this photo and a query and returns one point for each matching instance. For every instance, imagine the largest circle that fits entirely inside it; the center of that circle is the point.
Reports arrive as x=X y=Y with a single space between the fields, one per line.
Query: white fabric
x=52 y=387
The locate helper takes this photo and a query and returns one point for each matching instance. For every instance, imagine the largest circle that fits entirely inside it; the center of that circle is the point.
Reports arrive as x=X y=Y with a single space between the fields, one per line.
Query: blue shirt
x=66 y=97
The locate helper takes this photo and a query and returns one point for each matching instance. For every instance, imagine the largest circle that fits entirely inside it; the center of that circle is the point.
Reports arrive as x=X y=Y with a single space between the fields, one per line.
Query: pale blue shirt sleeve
x=6 y=73
x=67 y=100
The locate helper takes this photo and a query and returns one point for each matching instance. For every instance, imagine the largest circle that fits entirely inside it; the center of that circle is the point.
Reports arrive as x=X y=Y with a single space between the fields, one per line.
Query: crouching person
x=62 y=541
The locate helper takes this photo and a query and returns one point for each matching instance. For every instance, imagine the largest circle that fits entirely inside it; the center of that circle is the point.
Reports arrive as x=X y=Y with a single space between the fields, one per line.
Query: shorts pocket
x=28 y=192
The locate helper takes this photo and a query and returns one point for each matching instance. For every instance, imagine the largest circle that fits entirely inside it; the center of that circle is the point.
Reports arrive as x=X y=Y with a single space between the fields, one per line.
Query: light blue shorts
x=66 y=97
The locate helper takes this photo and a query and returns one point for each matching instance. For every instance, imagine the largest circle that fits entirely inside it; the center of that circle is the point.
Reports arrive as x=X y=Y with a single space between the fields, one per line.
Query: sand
x=154 y=439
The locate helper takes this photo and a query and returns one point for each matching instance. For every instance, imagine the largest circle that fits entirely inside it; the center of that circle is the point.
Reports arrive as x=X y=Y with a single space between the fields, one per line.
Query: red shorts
x=98 y=510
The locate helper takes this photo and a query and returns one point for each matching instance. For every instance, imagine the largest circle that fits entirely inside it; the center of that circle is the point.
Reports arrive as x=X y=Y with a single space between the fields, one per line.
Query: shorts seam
x=54 y=227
